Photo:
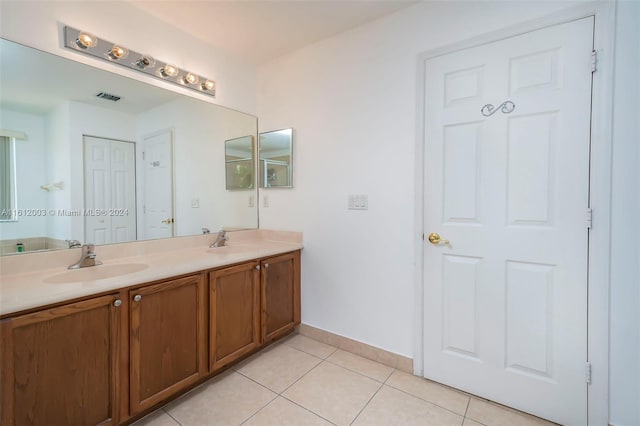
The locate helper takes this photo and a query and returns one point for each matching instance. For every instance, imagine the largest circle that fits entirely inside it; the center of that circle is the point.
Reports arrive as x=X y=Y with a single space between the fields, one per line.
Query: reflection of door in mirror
x=158 y=186
x=109 y=190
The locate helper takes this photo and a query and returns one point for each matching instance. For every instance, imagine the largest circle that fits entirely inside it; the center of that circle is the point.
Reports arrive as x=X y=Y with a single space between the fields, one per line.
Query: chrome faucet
x=206 y=231
x=221 y=238
x=87 y=258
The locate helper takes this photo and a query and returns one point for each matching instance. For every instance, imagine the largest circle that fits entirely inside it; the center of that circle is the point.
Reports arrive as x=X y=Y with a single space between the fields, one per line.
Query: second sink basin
x=93 y=273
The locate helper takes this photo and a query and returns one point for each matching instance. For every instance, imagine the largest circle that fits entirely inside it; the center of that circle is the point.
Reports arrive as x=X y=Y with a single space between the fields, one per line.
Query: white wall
x=34 y=23
x=351 y=100
x=58 y=160
x=625 y=227
x=30 y=173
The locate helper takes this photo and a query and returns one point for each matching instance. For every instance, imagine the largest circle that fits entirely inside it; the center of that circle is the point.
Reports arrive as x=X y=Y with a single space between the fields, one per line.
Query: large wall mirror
x=275 y=155
x=103 y=158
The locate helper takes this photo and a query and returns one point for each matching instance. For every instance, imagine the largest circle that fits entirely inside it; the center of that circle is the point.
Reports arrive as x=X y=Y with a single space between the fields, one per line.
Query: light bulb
x=208 y=85
x=146 y=61
x=190 y=78
x=118 y=52
x=169 y=71
x=85 y=40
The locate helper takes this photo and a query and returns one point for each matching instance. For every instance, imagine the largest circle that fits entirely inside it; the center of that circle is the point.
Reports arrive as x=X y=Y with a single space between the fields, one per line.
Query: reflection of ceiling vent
x=108 y=96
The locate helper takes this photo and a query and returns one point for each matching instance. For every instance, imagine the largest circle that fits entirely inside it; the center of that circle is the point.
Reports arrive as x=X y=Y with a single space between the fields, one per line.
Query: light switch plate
x=195 y=203
x=358 y=202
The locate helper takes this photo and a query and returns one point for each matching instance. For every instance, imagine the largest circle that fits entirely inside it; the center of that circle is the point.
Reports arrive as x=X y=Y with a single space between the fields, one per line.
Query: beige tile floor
x=301 y=381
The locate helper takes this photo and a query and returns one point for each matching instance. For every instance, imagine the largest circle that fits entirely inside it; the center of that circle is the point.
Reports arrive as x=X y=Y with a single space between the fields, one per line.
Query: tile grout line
x=428 y=402
x=257 y=383
x=466 y=410
x=367 y=404
x=387 y=379
x=285 y=389
x=259 y=409
x=306 y=409
x=309 y=353
x=362 y=374
x=236 y=369
x=281 y=394
x=169 y=414
x=300 y=378
x=395 y=367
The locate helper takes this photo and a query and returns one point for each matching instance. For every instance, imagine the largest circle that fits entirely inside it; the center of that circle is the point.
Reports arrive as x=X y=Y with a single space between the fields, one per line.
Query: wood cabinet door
x=59 y=365
x=167 y=340
x=234 y=303
x=280 y=295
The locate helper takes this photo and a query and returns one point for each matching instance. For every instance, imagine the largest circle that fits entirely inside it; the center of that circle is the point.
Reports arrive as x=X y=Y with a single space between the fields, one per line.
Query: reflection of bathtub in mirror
x=32 y=244
x=59 y=119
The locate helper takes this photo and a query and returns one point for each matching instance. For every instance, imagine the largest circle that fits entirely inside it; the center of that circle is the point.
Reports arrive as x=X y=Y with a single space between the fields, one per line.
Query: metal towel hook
x=506 y=107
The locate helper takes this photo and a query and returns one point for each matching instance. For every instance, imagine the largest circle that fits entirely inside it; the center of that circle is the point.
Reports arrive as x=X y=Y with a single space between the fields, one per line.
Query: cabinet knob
x=117 y=302
x=258 y=267
x=137 y=298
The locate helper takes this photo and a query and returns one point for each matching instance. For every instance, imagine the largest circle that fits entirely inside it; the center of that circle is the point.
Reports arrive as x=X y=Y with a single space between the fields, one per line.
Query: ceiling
x=259 y=31
x=255 y=31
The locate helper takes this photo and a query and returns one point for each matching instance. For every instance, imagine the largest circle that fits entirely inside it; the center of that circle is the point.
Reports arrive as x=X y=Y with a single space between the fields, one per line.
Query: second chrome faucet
x=221 y=239
x=87 y=258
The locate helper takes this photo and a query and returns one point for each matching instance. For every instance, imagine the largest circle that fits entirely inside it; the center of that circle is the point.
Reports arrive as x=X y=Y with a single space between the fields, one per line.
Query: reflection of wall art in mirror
x=174 y=152
x=275 y=159
x=239 y=163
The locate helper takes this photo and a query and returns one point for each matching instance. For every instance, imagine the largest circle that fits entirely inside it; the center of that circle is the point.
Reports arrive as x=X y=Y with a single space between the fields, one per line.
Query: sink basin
x=93 y=273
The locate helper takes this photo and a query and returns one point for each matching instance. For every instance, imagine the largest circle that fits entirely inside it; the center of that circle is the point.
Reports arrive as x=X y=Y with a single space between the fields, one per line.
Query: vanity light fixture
x=208 y=85
x=85 y=40
x=169 y=71
x=190 y=78
x=89 y=44
x=118 y=52
x=145 y=61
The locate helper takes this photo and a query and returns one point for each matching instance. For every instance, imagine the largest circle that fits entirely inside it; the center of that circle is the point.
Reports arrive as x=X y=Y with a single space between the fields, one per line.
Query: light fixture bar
x=88 y=44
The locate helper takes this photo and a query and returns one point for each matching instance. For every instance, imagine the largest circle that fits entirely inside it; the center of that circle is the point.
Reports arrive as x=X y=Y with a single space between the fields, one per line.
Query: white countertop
x=21 y=290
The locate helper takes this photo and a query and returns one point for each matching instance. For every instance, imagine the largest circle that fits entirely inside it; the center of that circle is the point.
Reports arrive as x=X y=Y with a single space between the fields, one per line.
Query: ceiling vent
x=108 y=96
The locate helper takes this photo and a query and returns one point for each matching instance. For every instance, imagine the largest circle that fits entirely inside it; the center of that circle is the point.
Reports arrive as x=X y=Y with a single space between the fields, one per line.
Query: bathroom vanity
x=105 y=346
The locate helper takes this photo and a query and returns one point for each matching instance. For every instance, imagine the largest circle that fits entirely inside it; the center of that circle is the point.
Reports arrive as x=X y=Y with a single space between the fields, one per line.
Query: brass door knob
x=168 y=221
x=435 y=239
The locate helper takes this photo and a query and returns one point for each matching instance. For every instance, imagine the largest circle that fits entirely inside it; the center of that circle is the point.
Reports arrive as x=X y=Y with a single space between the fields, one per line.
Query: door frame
x=599 y=240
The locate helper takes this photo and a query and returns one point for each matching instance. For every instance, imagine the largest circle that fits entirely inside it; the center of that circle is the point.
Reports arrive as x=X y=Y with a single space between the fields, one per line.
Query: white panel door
x=109 y=186
x=158 y=186
x=97 y=190
x=505 y=309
